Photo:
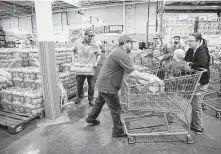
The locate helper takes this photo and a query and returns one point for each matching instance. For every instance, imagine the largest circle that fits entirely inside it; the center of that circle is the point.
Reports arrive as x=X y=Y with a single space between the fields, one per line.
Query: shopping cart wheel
x=189 y=139
x=131 y=139
x=218 y=114
x=127 y=124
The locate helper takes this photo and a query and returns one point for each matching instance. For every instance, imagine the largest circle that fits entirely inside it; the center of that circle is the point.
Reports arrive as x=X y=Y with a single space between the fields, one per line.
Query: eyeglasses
x=90 y=35
x=191 y=40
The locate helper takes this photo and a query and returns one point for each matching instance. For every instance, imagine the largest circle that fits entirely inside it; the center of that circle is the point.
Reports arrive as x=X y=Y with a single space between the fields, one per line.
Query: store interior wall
x=181 y=16
x=136 y=18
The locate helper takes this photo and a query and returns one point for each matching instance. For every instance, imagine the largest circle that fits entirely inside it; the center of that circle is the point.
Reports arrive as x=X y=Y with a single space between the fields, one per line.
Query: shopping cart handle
x=203 y=69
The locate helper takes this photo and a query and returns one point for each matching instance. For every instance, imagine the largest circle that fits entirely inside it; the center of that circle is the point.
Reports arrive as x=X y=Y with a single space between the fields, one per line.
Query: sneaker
x=91 y=104
x=78 y=100
x=197 y=131
x=94 y=122
x=119 y=134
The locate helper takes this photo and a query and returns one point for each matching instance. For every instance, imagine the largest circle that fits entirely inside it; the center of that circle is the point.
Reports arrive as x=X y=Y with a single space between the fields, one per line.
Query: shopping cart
x=212 y=100
x=164 y=101
x=151 y=63
x=135 y=57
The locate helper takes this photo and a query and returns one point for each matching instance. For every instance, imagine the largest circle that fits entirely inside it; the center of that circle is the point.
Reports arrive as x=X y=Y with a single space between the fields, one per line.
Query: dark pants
x=80 y=83
x=113 y=103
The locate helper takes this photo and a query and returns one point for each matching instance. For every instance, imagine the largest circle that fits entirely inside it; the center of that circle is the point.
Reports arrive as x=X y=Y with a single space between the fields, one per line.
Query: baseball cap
x=88 y=32
x=125 y=38
x=156 y=35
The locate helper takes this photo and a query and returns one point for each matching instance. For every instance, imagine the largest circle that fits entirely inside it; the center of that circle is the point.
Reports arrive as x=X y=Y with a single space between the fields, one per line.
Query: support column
x=124 y=17
x=46 y=49
x=161 y=16
x=147 y=25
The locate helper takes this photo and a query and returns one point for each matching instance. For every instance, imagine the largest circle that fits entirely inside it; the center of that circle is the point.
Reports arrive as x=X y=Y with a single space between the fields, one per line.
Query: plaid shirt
x=86 y=52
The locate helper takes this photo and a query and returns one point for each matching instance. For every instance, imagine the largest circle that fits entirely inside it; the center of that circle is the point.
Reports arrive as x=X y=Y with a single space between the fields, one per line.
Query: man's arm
x=136 y=74
x=125 y=63
x=74 y=49
x=98 y=57
x=167 y=52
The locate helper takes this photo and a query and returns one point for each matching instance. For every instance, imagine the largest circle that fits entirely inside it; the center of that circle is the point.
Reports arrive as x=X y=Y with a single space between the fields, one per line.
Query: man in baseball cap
x=109 y=83
x=84 y=52
x=89 y=32
x=125 y=38
x=126 y=42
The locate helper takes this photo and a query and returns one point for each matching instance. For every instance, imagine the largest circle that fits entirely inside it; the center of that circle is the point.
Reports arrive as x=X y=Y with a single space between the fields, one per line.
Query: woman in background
x=198 y=57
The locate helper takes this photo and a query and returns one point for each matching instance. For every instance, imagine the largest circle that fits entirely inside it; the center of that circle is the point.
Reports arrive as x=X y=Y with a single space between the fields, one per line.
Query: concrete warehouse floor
x=78 y=137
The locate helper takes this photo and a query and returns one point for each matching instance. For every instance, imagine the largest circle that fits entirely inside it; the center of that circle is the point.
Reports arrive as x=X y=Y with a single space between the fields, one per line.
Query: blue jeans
x=80 y=83
x=113 y=104
x=197 y=107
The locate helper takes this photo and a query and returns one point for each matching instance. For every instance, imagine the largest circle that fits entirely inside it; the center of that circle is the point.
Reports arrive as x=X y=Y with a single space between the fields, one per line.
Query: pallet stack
x=25 y=95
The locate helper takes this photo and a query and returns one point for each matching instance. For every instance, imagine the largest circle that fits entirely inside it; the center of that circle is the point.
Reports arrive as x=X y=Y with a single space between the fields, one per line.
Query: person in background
x=178 y=62
x=179 y=55
x=109 y=83
x=142 y=46
x=83 y=48
x=157 y=46
x=198 y=57
x=168 y=51
x=176 y=44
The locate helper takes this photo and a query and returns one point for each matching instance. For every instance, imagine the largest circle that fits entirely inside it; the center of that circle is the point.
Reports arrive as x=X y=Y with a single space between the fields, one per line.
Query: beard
x=128 y=50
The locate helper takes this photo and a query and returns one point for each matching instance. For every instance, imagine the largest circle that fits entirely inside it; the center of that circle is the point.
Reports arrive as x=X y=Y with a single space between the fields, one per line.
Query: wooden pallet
x=16 y=121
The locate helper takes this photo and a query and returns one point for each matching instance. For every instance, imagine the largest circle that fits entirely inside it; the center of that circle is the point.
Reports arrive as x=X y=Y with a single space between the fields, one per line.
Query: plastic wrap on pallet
x=21 y=100
x=69 y=83
x=27 y=77
x=7 y=57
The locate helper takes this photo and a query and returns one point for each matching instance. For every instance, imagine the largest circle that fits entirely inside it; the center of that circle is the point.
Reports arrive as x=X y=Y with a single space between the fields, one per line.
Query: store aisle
x=77 y=137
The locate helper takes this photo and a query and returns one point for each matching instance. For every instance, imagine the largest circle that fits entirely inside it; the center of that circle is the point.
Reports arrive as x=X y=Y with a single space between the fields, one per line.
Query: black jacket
x=201 y=59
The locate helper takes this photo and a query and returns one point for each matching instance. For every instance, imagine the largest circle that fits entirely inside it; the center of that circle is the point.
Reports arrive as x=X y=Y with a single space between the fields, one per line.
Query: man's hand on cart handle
x=95 y=64
x=203 y=69
x=189 y=63
x=158 y=80
x=147 y=77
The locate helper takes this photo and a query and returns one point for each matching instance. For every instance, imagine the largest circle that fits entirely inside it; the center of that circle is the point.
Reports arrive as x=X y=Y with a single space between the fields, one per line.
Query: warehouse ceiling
x=26 y=7
x=194 y=6
x=9 y=8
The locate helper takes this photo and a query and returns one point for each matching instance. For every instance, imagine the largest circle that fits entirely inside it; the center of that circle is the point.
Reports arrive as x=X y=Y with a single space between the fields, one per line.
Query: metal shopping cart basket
x=212 y=100
x=135 y=57
x=175 y=95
